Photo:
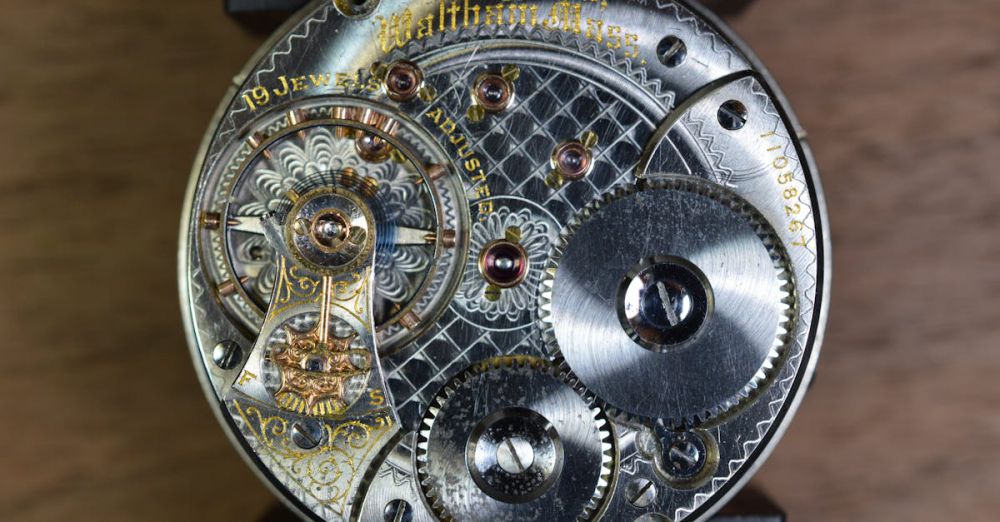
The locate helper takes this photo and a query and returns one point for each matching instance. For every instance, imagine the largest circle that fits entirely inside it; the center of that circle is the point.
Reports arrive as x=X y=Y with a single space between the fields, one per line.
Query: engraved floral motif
x=328 y=473
x=537 y=235
x=400 y=201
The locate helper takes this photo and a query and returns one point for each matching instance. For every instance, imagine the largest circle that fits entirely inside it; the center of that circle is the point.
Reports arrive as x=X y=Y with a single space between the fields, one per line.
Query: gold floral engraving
x=328 y=473
x=293 y=287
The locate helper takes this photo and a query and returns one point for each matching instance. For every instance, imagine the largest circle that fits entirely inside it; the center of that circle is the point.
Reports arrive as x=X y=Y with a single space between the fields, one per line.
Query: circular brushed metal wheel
x=482 y=260
x=511 y=439
x=704 y=316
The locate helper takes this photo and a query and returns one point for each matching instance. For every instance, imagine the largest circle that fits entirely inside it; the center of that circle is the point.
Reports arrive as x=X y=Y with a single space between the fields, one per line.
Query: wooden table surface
x=102 y=106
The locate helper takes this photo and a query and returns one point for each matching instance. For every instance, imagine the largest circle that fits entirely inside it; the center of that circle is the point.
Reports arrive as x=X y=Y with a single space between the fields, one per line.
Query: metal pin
x=255 y=139
x=436 y=171
x=410 y=320
x=228 y=288
x=449 y=238
x=211 y=220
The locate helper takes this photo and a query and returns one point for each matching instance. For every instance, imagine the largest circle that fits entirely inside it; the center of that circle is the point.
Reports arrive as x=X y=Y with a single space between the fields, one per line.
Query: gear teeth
x=782 y=264
x=557 y=369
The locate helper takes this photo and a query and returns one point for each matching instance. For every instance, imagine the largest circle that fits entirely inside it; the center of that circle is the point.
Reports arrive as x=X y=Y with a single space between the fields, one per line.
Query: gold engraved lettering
x=397 y=30
x=320 y=80
x=466 y=155
x=284 y=89
x=246 y=377
x=785 y=174
x=425 y=27
x=595 y=30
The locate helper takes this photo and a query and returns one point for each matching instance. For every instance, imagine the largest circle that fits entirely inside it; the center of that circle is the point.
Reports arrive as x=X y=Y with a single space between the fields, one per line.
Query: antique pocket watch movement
x=504 y=260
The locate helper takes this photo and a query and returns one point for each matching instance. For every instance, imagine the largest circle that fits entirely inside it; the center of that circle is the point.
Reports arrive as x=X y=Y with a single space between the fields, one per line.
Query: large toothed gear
x=512 y=439
x=691 y=311
x=485 y=260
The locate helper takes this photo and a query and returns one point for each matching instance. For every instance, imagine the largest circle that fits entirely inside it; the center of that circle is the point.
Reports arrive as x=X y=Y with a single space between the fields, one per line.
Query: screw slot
x=733 y=115
x=398 y=510
x=227 y=355
x=687 y=458
x=640 y=492
x=672 y=51
x=308 y=434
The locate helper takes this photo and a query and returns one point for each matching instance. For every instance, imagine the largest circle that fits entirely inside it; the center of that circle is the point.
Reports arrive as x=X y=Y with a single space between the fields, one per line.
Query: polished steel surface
x=709 y=362
x=481 y=261
x=511 y=439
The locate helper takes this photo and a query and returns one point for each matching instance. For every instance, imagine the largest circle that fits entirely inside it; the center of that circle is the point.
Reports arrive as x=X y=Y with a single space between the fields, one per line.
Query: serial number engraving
x=785 y=176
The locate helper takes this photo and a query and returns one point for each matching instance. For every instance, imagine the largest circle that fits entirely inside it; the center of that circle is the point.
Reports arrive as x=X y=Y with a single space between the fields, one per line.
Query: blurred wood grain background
x=103 y=104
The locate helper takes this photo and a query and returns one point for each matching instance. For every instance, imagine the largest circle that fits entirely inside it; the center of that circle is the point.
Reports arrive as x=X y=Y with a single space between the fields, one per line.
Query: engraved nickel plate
x=462 y=260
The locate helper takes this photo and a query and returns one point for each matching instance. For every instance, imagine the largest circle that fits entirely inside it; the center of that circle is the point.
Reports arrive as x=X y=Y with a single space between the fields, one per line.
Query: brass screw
x=554 y=180
x=358 y=235
x=378 y=69
x=211 y=220
x=436 y=171
x=513 y=234
x=492 y=293
x=372 y=148
x=428 y=93
x=511 y=73
x=476 y=113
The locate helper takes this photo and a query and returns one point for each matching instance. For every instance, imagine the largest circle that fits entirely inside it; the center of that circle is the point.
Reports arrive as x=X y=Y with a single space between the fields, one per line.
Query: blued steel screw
x=672 y=51
x=733 y=115
x=227 y=355
x=308 y=434
x=686 y=456
x=398 y=510
x=641 y=492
